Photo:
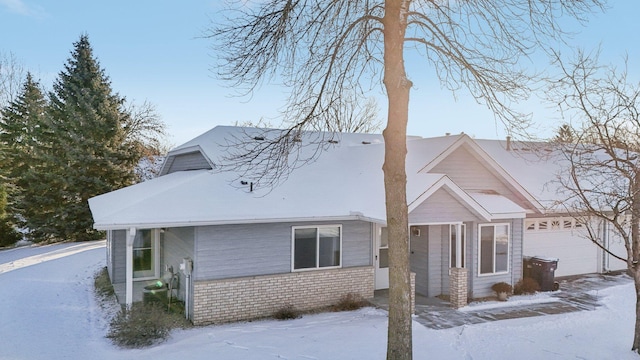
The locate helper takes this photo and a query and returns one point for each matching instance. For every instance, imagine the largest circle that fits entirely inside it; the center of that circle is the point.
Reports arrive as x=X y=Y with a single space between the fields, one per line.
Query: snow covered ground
x=48 y=311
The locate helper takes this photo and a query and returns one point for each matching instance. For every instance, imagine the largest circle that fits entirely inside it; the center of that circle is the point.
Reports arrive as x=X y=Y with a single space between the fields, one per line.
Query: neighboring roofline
x=466 y=139
x=169 y=224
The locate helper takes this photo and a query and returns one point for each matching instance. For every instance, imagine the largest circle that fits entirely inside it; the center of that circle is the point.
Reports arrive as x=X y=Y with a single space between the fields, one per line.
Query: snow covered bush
x=350 y=302
x=286 y=312
x=526 y=286
x=141 y=326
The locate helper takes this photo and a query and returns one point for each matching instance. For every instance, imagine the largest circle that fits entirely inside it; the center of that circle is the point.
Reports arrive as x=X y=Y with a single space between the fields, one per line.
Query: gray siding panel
x=440 y=207
x=419 y=259
x=189 y=161
x=118 y=256
x=435 y=260
x=228 y=251
x=473 y=174
x=469 y=173
x=357 y=240
x=176 y=244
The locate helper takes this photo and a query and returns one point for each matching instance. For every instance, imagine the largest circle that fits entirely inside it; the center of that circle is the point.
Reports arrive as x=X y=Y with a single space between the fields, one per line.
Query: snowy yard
x=48 y=311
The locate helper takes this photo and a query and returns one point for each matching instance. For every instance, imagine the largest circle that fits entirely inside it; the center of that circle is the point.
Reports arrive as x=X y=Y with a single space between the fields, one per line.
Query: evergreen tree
x=565 y=135
x=87 y=152
x=21 y=125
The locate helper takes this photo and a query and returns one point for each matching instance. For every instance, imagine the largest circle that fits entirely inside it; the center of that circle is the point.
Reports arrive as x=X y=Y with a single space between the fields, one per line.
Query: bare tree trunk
x=399 y=341
x=636 y=334
x=635 y=251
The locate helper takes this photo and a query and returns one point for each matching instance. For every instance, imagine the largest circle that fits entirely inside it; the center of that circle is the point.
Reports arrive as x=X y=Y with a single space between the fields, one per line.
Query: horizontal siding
x=357 y=244
x=228 y=251
x=189 y=161
x=473 y=174
x=469 y=173
x=435 y=260
x=176 y=244
x=419 y=260
x=118 y=256
x=440 y=207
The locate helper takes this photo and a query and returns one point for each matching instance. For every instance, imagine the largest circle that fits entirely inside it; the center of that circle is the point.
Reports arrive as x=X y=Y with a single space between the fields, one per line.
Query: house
x=554 y=233
x=236 y=252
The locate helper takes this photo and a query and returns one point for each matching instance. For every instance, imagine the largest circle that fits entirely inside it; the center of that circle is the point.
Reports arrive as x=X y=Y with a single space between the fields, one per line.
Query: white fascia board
x=169 y=224
x=513 y=215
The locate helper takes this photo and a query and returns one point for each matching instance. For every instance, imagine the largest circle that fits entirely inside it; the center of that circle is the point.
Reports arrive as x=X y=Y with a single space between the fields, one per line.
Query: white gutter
x=170 y=224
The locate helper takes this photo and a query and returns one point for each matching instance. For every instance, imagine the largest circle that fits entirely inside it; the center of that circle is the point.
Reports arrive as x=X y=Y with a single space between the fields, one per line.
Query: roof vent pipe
x=508 y=143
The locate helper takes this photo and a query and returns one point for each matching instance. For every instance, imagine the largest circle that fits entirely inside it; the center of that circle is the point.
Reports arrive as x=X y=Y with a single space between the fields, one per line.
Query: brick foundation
x=458 y=287
x=246 y=298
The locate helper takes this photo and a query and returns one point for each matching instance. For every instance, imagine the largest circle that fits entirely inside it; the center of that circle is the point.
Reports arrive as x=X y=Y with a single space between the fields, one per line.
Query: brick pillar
x=413 y=293
x=458 y=287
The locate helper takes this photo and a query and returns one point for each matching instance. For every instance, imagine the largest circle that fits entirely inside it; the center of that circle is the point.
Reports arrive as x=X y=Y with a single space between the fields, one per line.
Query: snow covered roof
x=536 y=166
x=345 y=182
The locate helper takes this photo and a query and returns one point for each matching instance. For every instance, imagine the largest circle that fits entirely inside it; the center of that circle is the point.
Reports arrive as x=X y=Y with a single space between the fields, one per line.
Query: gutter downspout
x=131 y=235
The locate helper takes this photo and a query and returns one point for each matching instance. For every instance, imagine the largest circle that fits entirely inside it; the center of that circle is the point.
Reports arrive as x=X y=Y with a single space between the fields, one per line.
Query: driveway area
x=578 y=293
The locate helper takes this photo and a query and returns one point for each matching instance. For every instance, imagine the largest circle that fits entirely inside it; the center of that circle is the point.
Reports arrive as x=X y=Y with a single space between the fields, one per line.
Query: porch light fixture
x=415 y=231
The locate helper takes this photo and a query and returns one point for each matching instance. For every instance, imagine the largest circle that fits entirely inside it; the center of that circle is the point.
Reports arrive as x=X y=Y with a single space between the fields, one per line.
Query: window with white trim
x=383 y=250
x=145 y=254
x=452 y=244
x=316 y=247
x=493 y=254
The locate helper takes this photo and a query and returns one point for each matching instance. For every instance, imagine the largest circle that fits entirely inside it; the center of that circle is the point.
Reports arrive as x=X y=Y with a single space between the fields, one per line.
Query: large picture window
x=317 y=247
x=494 y=249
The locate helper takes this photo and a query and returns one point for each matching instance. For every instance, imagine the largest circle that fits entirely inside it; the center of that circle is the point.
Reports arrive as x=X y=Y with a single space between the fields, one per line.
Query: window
x=452 y=244
x=542 y=225
x=383 y=250
x=530 y=225
x=145 y=262
x=494 y=249
x=317 y=247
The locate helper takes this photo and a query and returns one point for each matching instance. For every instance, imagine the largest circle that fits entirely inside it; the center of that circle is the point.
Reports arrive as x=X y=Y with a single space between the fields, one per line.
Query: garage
x=561 y=238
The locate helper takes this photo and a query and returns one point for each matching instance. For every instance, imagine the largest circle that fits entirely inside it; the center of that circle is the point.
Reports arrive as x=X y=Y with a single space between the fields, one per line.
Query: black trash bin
x=542 y=270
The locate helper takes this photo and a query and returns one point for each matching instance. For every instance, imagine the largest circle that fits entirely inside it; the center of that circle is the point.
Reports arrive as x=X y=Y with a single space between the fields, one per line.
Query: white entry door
x=382 y=258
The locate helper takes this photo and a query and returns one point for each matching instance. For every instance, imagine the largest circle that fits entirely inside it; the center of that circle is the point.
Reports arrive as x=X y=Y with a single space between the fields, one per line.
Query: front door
x=382 y=258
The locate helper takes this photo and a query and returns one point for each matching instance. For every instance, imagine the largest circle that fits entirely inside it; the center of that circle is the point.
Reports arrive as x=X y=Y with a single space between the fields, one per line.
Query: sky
x=155 y=51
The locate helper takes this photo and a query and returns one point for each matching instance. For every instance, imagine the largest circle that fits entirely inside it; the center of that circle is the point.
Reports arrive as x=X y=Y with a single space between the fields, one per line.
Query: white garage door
x=559 y=238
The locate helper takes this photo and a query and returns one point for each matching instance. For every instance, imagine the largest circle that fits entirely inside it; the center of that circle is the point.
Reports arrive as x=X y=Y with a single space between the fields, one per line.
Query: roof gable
x=184 y=160
x=472 y=168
